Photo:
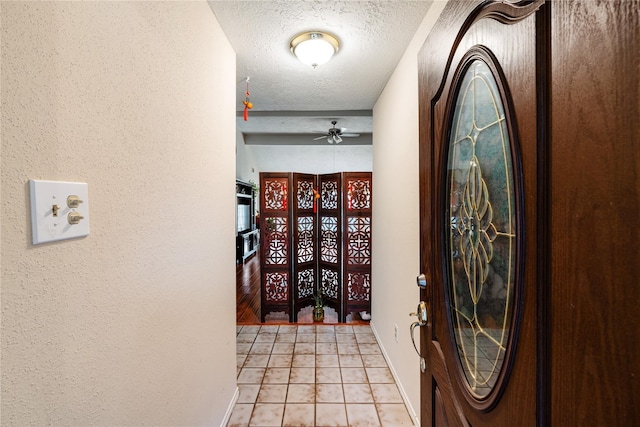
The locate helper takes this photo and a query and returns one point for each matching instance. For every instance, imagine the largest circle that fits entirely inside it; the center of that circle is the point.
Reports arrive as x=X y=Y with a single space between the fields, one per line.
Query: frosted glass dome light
x=314 y=48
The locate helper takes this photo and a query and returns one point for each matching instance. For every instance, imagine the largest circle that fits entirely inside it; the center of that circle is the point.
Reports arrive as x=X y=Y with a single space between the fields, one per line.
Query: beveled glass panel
x=482 y=232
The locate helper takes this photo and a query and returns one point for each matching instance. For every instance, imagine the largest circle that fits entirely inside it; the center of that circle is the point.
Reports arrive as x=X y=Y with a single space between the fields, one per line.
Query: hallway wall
x=396 y=250
x=134 y=324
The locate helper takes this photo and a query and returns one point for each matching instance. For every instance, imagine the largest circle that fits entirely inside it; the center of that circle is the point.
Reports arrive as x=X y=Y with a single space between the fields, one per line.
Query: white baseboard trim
x=414 y=416
x=232 y=404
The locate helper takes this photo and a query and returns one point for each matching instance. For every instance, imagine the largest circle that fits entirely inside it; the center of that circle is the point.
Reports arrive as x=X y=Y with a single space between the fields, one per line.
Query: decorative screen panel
x=359 y=240
x=329 y=283
x=358 y=286
x=276 y=286
x=304 y=194
x=329 y=194
x=306 y=246
x=306 y=283
x=276 y=238
x=358 y=194
x=329 y=239
x=275 y=194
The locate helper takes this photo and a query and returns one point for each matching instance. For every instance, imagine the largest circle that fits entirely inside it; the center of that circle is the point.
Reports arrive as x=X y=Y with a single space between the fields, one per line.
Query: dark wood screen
x=312 y=244
x=275 y=228
x=357 y=198
x=330 y=238
x=305 y=240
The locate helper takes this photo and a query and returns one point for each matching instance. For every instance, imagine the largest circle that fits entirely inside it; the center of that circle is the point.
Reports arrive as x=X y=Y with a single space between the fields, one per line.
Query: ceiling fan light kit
x=335 y=134
x=314 y=47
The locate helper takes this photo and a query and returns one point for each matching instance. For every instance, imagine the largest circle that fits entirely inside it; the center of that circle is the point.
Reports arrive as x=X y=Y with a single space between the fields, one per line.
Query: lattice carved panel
x=358 y=286
x=304 y=194
x=329 y=239
x=275 y=194
x=329 y=194
x=306 y=282
x=306 y=242
x=359 y=240
x=276 y=287
x=330 y=283
x=358 y=194
x=277 y=238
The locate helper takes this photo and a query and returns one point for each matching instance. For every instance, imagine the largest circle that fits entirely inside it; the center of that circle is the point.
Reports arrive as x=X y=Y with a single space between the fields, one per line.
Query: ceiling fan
x=335 y=134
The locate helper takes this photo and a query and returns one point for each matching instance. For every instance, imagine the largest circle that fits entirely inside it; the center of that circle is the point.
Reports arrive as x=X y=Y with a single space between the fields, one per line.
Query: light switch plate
x=50 y=211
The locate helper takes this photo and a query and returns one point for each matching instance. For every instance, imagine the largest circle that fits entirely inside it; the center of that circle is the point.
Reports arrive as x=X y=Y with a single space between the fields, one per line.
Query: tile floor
x=314 y=375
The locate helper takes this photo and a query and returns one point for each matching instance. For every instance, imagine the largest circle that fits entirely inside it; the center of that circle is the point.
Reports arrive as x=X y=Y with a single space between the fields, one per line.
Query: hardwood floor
x=248 y=291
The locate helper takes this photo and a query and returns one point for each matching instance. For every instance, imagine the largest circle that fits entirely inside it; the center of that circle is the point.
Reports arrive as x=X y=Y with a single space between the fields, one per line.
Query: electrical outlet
x=395 y=332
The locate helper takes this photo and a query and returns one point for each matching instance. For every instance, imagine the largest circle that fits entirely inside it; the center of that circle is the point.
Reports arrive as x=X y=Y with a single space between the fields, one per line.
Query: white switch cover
x=50 y=210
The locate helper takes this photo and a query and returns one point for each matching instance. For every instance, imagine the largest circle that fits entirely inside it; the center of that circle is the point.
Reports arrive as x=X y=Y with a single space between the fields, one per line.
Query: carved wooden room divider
x=315 y=236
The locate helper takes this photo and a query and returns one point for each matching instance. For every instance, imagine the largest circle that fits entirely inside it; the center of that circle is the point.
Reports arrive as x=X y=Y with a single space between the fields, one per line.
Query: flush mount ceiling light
x=314 y=47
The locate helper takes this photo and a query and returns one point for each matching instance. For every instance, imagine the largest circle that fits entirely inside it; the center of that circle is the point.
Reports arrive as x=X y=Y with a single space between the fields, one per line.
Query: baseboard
x=232 y=404
x=405 y=398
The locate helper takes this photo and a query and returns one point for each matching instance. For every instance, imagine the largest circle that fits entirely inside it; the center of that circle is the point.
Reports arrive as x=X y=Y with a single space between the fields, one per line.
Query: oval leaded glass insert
x=481 y=237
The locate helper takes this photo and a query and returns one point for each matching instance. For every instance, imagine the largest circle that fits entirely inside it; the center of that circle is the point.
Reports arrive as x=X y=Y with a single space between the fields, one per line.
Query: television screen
x=244 y=217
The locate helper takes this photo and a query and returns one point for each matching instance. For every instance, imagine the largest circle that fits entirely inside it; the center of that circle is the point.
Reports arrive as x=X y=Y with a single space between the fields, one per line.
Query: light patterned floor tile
x=331 y=415
x=374 y=361
x=346 y=339
x=379 y=375
x=240 y=415
x=351 y=361
x=276 y=376
x=353 y=375
x=329 y=393
x=266 y=337
x=261 y=348
x=393 y=415
x=267 y=415
x=369 y=349
x=306 y=338
x=256 y=361
x=248 y=393
x=280 y=361
x=251 y=375
x=303 y=376
x=282 y=348
x=327 y=361
x=344 y=348
x=301 y=393
x=304 y=348
x=270 y=329
x=357 y=393
x=362 y=415
x=285 y=338
x=386 y=393
x=306 y=329
x=328 y=375
x=304 y=361
x=272 y=393
x=326 y=348
x=250 y=338
x=299 y=415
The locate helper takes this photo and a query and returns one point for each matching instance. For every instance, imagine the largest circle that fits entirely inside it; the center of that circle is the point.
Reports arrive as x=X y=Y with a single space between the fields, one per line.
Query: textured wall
x=134 y=324
x=396 y=245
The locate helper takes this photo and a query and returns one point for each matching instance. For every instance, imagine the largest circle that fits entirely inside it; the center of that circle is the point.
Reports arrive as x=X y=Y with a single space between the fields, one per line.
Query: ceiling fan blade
x=320 y=137
x=349 y=135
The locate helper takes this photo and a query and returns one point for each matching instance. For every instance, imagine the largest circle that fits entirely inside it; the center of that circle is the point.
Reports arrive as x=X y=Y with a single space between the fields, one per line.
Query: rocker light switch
x=59 y=210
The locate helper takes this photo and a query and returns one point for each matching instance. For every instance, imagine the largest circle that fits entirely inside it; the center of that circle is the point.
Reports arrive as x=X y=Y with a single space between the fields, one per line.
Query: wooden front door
x=480 y=144
x=529 y=191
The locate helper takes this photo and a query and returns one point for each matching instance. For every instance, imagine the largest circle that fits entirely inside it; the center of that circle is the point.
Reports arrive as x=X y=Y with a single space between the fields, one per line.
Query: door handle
x=421 y=313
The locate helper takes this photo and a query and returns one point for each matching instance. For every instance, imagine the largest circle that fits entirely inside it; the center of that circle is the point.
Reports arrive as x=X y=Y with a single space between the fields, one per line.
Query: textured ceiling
x=373 y=36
